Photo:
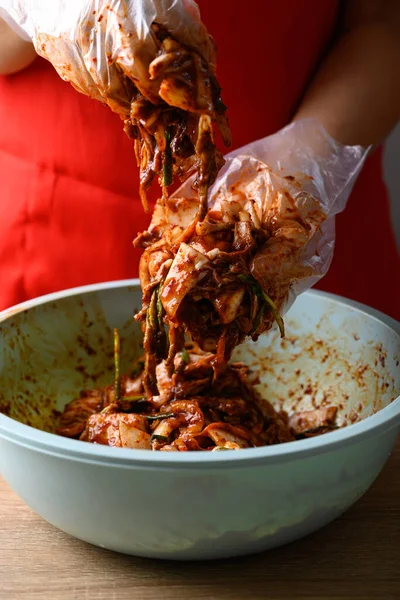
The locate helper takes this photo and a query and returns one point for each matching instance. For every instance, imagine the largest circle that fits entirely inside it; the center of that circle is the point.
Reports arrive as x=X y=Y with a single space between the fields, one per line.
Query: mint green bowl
x=195 y=505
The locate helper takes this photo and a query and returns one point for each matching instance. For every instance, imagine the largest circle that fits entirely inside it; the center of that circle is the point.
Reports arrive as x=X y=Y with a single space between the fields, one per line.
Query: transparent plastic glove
x=94 y=44
x=278 y=197
x=13 y=24
x=317 y=172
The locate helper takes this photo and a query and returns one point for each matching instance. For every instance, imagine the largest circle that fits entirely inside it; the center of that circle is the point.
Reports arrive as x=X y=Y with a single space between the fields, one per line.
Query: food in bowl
x=216 y=267
x=195 y=409
x=219 y=504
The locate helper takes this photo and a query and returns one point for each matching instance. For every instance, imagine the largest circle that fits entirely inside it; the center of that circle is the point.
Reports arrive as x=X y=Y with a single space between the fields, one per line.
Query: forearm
x=15 y=53
x=356 y=92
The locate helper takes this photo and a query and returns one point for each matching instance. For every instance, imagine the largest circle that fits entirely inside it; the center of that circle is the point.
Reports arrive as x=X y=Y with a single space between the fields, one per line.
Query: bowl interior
x=333 y=354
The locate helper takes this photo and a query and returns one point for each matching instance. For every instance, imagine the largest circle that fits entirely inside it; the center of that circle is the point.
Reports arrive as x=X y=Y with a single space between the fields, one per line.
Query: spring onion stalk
x=152 y=312
x=167 y=162
x=160 y=438
x=160 y=309
x=275 y=312
x=257 y=320
x=261 y=295
x=117 y=375
x=159 y=417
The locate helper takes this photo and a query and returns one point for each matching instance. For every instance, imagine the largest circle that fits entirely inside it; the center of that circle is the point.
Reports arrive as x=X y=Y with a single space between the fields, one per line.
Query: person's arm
x=355 y=94
x=15 y=53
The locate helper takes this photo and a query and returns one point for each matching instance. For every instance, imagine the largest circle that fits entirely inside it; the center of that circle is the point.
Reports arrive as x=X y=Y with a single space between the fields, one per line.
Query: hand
x=317 y=172
x=150 y=61
x=268 y=235
x=102 y=45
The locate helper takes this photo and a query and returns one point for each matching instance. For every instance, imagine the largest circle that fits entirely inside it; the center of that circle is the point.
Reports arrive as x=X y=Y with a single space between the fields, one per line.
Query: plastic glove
x=306 y=162
x=13 y=24
x=268 y=236
x=153 y=63
x=97 y=44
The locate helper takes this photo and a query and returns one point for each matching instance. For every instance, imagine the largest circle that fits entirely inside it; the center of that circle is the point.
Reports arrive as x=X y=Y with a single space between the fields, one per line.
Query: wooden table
x=358 y=556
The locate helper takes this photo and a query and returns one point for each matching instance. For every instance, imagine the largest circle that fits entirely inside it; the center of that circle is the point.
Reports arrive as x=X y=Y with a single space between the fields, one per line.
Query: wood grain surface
x=357 y=556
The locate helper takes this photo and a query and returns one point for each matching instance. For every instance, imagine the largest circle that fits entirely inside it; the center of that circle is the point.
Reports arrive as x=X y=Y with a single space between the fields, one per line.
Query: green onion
x=117 y=376
x=161 y=438
x=160 y=308
x=167 y=162
x=152 y=312
x=276 y=314
x=258 y=318
x=157 y=417
x=261 y=295
x=132 y=398
x=185 y=356
x=220 y=449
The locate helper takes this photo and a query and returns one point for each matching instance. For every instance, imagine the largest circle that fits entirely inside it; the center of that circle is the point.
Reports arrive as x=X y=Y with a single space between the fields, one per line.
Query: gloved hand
x=268 y=236
x=95 y=43
x=152 y=62
x=317 y=172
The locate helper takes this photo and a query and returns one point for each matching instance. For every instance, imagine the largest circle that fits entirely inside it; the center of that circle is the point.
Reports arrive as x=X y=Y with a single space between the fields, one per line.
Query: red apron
x=69 y=204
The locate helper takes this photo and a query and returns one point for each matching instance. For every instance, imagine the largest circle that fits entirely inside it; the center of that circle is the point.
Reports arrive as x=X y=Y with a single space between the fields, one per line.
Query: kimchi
x=172 y=119
x=192 y=410
x=213 y=272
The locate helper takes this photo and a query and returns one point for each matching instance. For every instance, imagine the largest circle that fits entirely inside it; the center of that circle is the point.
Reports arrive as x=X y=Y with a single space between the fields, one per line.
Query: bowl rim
x=51 y=444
